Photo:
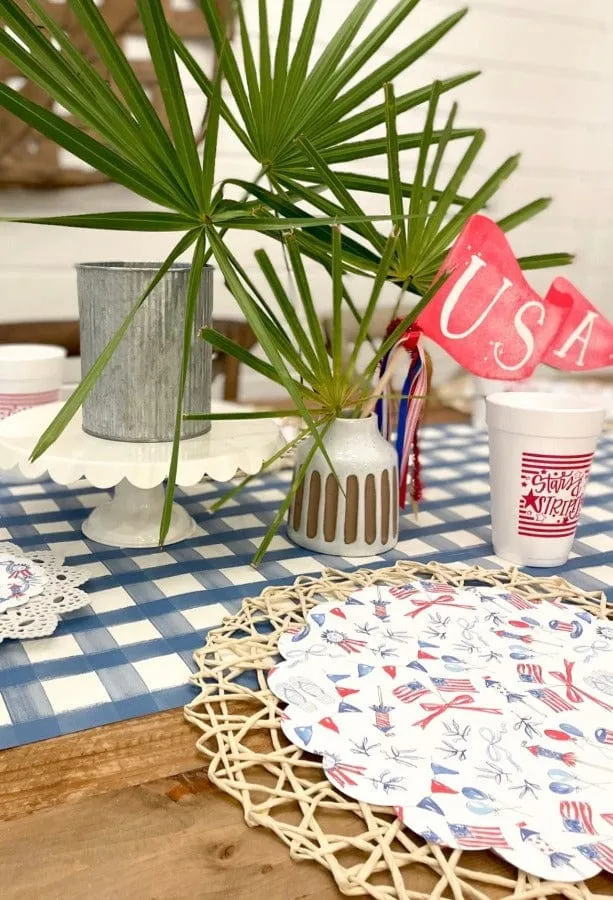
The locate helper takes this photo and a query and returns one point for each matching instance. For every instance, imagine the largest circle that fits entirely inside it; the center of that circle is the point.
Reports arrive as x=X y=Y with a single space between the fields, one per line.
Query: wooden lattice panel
x=366 y=849
x=29 y=160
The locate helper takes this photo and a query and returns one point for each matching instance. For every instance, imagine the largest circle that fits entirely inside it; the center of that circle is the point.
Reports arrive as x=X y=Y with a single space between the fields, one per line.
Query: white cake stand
x=136 y=471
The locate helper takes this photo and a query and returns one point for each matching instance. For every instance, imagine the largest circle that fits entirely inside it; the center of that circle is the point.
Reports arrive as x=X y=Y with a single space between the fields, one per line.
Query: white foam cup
x=541 y=451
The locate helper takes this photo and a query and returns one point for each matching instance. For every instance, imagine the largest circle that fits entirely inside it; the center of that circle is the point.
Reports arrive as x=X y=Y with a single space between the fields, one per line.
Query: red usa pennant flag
x=585 y=338
x=489 y=319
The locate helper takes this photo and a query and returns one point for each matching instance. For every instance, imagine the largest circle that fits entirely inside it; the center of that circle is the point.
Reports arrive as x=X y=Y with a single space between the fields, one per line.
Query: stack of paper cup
x=483 y=387
x=541 y=451
x=30 y=374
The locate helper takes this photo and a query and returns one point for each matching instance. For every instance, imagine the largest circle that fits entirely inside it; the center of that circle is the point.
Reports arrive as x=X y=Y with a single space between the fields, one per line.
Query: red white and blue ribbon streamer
x=383 y=407
x=409 y=413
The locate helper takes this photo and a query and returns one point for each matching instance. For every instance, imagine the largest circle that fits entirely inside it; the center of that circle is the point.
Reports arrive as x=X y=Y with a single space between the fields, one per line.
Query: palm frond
x=191 y=305
x=426 y=231
x=278 y=103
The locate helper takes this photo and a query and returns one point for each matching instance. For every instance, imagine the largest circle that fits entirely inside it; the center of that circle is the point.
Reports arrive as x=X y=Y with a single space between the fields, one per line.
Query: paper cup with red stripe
x=30 y=374
x=541 y=451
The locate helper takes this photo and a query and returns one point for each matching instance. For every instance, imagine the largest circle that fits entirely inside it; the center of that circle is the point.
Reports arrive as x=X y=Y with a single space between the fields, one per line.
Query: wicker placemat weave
x=366 y=849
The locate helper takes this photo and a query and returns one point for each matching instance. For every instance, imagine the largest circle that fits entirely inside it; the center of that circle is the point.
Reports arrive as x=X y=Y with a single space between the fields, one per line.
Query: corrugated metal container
x=135 y=397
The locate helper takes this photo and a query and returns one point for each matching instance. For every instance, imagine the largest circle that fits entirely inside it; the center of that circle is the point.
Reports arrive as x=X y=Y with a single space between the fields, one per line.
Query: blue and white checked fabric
x=130 y=652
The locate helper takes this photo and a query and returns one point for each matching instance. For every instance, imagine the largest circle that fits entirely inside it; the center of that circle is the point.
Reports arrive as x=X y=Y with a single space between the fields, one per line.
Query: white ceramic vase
x=359 y=518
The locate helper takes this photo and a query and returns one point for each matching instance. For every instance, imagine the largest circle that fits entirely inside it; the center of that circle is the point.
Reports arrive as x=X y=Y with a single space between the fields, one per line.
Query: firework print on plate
x=486 y=724
x=552 y=494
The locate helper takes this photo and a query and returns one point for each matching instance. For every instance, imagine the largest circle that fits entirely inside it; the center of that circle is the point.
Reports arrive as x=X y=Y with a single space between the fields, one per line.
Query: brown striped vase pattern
x=355 y=511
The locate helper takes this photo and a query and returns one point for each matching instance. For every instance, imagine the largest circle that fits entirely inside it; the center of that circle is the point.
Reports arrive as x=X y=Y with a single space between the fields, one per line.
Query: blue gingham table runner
x=130 y=652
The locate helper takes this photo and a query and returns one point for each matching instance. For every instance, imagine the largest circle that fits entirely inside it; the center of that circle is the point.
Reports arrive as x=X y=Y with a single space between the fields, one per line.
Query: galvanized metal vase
x=135 y=397
x=362 y=518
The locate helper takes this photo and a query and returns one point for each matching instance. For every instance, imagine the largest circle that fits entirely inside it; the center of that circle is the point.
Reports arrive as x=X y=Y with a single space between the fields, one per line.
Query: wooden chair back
x=66 y=334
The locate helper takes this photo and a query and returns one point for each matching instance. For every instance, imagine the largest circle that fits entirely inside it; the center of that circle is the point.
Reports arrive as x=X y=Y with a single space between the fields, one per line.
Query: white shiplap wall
x=546 y=88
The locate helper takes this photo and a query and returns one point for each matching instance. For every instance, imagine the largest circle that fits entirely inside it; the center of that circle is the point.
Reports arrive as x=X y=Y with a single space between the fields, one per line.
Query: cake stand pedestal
x=132 y=519
x=136 y=471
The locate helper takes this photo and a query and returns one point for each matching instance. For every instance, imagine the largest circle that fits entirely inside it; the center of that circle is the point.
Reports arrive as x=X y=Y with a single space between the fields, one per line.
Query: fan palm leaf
x=427 y=228
x=276 y=104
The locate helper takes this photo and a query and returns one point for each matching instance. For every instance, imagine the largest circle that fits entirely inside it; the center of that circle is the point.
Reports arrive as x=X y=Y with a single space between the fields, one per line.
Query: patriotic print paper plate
x=20 y=580
x=484 y=720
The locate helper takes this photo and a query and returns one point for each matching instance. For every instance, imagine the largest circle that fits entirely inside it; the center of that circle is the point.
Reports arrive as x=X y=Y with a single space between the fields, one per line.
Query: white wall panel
x=545 y=91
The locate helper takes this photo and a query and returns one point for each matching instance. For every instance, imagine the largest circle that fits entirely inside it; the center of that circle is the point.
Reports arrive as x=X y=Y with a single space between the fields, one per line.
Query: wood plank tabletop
x=82 y=817
x=126 y=810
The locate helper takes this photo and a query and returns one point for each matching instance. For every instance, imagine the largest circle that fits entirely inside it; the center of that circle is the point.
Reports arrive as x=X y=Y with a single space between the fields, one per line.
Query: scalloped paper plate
x=484 y=720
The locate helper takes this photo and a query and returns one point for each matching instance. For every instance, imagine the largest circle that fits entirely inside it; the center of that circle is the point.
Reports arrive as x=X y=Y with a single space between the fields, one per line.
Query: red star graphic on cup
x=530 y=500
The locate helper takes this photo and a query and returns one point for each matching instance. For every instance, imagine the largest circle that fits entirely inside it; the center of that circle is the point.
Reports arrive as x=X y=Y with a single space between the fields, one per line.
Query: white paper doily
x=36 y=588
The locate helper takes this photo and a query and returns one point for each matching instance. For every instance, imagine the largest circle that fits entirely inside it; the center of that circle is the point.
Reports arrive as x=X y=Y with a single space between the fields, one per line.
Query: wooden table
x=126 y=810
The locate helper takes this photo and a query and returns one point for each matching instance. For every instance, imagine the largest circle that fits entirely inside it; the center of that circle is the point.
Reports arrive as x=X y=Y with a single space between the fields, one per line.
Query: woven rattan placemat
x=366 y=849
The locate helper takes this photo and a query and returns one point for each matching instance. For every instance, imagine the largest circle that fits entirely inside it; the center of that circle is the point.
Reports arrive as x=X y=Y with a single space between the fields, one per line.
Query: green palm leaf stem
x=302 y=116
